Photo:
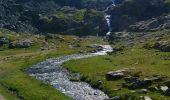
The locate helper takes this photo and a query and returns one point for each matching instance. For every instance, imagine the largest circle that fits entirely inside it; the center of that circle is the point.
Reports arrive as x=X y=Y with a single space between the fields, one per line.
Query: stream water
x=52 y=72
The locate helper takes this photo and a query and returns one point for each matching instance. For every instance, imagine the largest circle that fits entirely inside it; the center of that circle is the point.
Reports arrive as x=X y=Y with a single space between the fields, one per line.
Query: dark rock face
x=154 y=24
x=141 y=12
x=20 y=44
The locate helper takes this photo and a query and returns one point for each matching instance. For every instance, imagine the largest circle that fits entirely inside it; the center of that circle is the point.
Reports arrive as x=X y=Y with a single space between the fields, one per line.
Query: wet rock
x=114 y=75
x=20 y=44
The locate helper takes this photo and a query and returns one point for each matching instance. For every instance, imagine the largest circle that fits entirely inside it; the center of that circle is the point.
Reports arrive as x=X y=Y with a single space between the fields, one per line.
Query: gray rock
x=114 y=75
x=20 y=44
x=143 y=90
x=164 y=88
x=154 y=24
x=131 y=79
x=135 y=84
x=145 y=98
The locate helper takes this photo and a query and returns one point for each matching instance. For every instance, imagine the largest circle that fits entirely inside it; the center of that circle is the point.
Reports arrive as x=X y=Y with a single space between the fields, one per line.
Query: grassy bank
x=15 y=83
x=144 y=62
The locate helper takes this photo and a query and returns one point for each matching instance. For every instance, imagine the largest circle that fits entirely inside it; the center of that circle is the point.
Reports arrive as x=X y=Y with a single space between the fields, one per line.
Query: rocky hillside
x=141 y=15
x=32 y=16
x=83 y=17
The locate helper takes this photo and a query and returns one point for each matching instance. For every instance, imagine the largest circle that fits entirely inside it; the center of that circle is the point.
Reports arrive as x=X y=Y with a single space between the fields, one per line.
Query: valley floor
x=142 y=60
x=16 y=84
x=142 y=63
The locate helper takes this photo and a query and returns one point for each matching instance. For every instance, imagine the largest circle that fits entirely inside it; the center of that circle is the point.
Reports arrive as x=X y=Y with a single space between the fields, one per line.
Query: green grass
x=15 y=83
x=144 y=61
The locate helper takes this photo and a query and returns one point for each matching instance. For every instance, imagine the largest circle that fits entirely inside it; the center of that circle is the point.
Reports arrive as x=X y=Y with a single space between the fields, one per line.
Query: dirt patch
x=2 y=98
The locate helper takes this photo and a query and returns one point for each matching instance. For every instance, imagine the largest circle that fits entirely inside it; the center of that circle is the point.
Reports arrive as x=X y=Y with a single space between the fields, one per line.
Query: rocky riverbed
x=51 y=71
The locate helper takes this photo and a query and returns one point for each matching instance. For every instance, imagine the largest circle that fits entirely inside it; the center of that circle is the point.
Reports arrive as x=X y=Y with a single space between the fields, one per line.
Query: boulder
x=164 y=88
x=145 y=98
x=114 y=75
x=131 y=79
x=53 y=36
x=143 y=90
x=137 y=83
x=20 y=44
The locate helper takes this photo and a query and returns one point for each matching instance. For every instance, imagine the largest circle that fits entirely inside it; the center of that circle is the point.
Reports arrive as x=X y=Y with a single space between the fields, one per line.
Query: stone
x=136 y=83
x=164 y=88
x=145 y=98
x=54 y=36
x=114 y=75
x=20 y=44
x=146 y=82
x=143 y=90
x=131 y=79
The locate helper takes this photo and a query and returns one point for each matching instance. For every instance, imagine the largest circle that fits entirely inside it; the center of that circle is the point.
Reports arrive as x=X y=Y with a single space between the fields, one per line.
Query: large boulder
x=20 y=44
x=114 y=75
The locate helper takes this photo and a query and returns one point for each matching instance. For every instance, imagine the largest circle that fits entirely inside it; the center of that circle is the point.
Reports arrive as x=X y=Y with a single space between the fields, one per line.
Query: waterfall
x=108 y=19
